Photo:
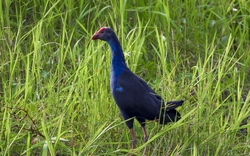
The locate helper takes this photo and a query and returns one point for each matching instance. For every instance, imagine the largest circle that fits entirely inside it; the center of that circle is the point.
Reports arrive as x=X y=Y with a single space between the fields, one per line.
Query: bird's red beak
x=95 y=36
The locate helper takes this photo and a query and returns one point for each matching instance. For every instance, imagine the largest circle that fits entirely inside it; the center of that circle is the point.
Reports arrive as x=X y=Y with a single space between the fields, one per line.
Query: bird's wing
x=135 y=97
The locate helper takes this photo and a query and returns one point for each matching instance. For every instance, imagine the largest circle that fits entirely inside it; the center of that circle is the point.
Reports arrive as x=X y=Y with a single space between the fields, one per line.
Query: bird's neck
x=117 y=58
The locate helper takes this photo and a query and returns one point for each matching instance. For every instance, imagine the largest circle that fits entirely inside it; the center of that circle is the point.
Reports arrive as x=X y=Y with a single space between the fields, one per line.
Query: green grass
x=54 y=83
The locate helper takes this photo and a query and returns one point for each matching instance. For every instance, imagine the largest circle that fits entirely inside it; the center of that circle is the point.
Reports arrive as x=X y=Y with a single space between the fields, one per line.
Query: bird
x=133 y=96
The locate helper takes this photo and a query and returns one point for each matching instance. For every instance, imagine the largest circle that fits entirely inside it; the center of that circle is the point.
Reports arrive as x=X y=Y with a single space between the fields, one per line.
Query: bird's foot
x=134 y=143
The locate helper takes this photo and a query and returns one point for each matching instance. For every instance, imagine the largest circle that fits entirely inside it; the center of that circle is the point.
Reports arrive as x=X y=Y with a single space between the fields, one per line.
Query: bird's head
x=104 y=33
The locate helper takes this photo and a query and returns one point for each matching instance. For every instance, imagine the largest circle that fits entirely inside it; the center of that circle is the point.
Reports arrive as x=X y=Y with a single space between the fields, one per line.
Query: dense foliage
x=54 y=82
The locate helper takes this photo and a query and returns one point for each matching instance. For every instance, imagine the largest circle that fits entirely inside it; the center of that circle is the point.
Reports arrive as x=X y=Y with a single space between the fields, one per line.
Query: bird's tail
x=169 y=114
x=173 y=104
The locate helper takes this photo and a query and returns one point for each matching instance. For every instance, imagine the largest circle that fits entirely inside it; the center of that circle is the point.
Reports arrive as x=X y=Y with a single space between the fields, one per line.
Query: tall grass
x=54 y=83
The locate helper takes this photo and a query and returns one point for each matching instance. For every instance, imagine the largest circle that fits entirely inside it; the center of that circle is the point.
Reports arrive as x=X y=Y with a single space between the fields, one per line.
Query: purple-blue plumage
x=133 y=96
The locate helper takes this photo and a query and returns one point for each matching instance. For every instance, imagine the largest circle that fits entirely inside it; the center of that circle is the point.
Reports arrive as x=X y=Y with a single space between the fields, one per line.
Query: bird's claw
x=134 y=143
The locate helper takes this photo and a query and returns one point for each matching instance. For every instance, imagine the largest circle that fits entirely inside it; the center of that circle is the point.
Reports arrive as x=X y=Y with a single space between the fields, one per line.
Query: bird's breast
x=113 y=84
x=113 y=81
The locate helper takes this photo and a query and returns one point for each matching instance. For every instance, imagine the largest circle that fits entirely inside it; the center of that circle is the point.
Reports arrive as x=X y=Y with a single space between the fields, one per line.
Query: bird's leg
x=133 y=138
x=144 y=133
x=145 y=152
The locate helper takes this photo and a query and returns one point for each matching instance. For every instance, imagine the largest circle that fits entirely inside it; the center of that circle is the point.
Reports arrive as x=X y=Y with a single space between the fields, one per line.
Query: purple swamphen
x=133 y=96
